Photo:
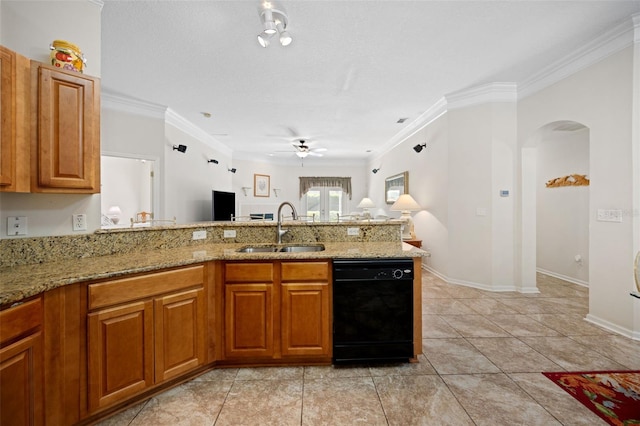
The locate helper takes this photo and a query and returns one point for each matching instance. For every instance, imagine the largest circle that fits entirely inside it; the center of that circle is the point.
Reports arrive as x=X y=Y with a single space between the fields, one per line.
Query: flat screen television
x=223 y=205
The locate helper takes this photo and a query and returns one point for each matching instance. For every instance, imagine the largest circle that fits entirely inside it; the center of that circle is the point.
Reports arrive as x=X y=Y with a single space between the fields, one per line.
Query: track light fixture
x=273 y=21
x=419 y=147
x=232 y=170
x=180 y=148
x=212 y=161
x=374 y=171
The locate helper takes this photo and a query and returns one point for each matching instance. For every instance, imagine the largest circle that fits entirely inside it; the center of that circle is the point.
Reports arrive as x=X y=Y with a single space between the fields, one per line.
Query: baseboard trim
x=563 y=277
x=499 y=289
x=635 y=335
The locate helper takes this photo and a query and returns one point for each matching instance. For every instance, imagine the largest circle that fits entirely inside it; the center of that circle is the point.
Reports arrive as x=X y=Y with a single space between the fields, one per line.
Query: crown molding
x=181 y=123
x=486 y=93
x=610 y=42
x=119 y=102
x=423 y=120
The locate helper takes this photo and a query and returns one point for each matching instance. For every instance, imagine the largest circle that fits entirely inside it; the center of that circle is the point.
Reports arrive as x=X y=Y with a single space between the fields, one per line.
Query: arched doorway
x=555 y=203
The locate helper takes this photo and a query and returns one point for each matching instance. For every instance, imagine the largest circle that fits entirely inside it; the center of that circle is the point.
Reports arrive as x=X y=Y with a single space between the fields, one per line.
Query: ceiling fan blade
x=315 y=154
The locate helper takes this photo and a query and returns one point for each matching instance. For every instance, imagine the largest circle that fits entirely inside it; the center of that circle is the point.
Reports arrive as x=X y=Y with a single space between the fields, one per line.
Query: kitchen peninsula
x=115 y=316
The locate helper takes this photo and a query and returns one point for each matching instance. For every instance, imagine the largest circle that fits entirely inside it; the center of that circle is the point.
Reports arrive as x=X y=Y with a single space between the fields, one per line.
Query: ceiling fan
x=302 y=149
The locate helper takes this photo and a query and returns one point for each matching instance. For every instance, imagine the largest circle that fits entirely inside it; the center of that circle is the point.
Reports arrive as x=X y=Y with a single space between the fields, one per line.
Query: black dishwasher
x=372 y=310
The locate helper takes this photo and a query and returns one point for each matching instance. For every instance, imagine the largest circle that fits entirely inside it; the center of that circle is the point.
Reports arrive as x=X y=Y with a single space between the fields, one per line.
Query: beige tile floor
x=483 y=354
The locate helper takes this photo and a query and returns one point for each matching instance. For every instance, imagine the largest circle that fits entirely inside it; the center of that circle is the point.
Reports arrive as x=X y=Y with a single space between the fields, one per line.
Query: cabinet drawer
x=20 y=319
x=248 y=272
x=305 y=271
x=128 y=289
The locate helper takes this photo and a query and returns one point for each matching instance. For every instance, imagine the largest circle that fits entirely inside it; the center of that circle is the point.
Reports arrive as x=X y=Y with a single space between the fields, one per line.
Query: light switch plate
x=229 y=233
x=353 y=231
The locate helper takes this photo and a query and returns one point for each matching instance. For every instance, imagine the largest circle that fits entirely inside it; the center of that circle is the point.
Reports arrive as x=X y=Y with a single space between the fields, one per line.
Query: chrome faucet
x=294 y=214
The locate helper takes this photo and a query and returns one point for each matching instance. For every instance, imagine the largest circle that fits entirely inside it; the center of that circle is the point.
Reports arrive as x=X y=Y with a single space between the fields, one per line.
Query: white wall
x=563 y=212
x=189 y=178
x=600 y=97
x=29 y=27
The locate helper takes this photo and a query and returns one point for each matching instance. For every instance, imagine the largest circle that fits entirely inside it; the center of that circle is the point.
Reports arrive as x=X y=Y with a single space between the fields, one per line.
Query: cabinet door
x=249 y=320
x=14 y=123
x=180 y=343
x=120 y=352
x=305 y=319
x=21 y=398
x=68 y=137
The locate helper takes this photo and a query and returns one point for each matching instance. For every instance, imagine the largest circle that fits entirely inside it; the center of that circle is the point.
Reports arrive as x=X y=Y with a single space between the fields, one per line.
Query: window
x=326 y=204
x=325 y=197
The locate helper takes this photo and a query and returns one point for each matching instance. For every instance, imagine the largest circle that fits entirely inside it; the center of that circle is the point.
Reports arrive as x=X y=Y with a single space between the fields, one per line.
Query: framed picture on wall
x=261 y=185
x=394 y=186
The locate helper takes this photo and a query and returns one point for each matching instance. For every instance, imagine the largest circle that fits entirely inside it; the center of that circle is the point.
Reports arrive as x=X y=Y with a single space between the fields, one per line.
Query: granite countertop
x=22 y=281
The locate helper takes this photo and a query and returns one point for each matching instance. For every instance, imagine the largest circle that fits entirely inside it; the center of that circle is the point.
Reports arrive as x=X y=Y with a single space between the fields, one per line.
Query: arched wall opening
x=555 y=200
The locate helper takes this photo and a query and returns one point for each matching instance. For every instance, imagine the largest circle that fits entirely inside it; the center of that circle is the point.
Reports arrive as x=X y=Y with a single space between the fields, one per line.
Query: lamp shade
x=405 y=202
x=366 y=203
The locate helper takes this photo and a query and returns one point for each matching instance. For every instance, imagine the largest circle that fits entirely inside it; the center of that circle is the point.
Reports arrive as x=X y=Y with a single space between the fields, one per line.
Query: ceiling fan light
x=302 y=154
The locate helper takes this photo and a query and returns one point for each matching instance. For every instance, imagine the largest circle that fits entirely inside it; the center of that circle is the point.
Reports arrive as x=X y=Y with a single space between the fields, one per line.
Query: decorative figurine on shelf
x=67 y=56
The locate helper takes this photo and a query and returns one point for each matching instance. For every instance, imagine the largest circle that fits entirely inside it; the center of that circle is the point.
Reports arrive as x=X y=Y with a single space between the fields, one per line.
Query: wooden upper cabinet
x=66 y=140
x=14 y=122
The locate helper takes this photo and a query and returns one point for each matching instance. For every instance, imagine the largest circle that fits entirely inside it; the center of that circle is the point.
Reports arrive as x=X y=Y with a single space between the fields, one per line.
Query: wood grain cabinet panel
x=144 y=330
x=66 y=146
x=249 y=320
x=180 y=333
x=21 y=365
x=120 y=352
x=286 y=316
x=14 y=122
x=305 y=319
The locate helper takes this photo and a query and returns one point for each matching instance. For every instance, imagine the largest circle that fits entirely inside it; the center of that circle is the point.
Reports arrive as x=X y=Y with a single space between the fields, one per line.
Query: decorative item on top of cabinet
x=21 y=364
x=14 y=123
x=65 y=137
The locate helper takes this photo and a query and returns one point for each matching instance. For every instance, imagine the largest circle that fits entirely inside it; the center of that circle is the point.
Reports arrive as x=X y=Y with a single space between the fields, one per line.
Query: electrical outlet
x=353 y=231
x=199 y=235
x=17 y=225
x=79 y=222
x=229 y=233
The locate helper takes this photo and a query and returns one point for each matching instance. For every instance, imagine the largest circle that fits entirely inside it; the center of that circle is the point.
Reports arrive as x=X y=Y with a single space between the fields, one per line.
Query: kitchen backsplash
x=24 y=251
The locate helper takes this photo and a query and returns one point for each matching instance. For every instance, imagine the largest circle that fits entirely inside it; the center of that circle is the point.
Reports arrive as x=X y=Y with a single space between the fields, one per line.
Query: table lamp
x=365 y=205
x=406 y=204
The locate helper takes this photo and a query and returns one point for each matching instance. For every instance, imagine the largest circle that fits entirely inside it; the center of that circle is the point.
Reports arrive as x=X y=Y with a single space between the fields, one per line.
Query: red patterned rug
x=612 y=395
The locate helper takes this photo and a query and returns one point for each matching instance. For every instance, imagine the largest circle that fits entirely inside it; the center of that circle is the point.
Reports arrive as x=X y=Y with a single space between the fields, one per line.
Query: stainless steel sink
x=290 y=248
x=302 y=248
x=258 y=249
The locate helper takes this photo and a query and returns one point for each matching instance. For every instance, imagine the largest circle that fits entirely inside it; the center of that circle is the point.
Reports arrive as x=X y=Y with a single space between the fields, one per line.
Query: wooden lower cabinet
x=249 y=320
x=120 y=352
x=138 y=344
x=21 y=365
x=179 y=333
x=305 y=319
x=277 y=310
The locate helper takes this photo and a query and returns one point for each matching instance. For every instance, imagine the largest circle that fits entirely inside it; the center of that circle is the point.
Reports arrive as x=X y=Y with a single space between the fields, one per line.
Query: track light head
x=374 y=171
x=212 y=161
x=274 y=21
x=419 y=147
x=180 y=148
x=232 y=170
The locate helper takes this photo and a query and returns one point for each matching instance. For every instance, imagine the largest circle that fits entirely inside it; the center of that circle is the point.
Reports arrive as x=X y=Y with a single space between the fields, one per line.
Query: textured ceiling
x=354 y=67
